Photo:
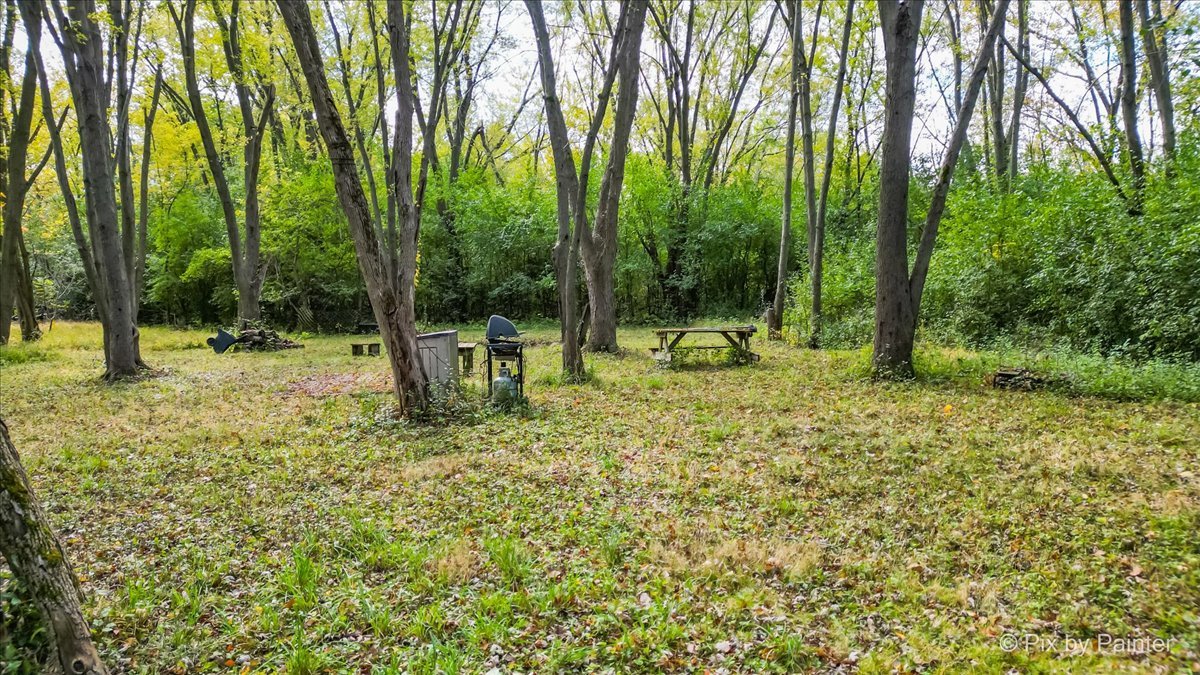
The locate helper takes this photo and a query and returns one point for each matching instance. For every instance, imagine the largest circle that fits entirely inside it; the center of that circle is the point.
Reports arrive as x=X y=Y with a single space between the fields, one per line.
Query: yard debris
x=252 y=337
x=264 y=339
x=1016 y=378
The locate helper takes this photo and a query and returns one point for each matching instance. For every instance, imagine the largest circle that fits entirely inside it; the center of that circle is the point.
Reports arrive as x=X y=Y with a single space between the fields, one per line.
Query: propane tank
x=504 y=388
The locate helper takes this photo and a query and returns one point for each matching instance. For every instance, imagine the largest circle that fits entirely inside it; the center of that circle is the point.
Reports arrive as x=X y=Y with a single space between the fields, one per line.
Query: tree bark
x=84 y=62
x=566 y=186
x=775 y=326
x=893 y=343
x=810 y=171
x=248 y=273
x=996 y=94
x=897 y=294
x=1020 y=86
x=139 y=269
x=1160 y=75
x=16 y=282
x=391 y=295
x=941 y=189
x=1133 y=141
x=126 y=71
x=37 y=559
x=599 y=246
x=814 y=340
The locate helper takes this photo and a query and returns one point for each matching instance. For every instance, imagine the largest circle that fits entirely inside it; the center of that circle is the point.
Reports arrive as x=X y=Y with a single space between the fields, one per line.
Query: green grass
x=264 y=510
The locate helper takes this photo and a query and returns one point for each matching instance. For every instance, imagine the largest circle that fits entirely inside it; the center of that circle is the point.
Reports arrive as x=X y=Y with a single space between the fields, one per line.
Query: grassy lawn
x=262 y=513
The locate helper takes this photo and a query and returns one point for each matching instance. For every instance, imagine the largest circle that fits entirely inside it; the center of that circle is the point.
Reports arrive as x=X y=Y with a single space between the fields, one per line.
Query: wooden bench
x=737 y=337
x=466 y=352
x=364 y=349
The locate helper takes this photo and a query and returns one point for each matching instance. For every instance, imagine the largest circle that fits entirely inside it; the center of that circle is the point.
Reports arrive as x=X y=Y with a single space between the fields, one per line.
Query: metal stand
x=505 y=353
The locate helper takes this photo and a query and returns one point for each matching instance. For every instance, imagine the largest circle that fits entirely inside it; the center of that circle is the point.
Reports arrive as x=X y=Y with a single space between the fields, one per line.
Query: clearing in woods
x=262 y=512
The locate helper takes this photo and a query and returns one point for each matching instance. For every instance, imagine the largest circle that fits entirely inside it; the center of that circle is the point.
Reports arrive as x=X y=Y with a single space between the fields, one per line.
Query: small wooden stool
x=466 y=352
x=364 y=348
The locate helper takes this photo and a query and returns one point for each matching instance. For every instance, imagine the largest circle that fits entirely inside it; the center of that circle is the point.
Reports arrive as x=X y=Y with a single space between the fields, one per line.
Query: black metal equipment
x=222 y=341
x=502 y=347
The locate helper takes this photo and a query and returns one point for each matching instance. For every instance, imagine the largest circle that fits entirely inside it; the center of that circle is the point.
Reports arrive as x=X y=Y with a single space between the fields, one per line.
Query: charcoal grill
x=504 y=350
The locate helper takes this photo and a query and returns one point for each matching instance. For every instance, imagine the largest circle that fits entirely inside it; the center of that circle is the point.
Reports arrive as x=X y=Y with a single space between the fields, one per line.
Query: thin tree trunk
x=1129 y=116
x=408 y=357
x=775 y=324
x=243 y=248
x=893 y=343
x=139 y=270
x=390 y=295
x=937 y=201
x=571 y=187
x=36 y=557
x=1020 y=86
x=810 y=175
x=126 y=70
x=998 y=151
x=15 y=280
x=26 y=309
x=1160 y=75
x=814 y=340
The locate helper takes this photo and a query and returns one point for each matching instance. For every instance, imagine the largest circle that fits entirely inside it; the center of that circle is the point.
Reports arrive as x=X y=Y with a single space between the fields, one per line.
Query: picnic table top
x=467 y=345
x=708 y=329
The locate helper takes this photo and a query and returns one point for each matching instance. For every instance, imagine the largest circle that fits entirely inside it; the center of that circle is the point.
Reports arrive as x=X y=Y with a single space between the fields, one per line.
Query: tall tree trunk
x=139 y=269
x=408 y=211
x=901 y=26
x=84 y=62
x=1160 y=74
x=566 y=244
x=599 y=246
x=390 y=294
x=958 y=138
x=243 y=248
x=775 y=325
x=37 y=559
x=814 y=340
x=16 y=282
x=26 y=308
x=898 y=300
x=572 y=187
x=1129 y=116
x=1020 y=85
x=998 y=152
x=810 y=178
x=126 y=70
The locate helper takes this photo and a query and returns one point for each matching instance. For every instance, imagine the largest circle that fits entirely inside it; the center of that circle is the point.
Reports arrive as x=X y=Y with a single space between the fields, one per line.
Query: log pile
x=264 y=339
x=1016 y=378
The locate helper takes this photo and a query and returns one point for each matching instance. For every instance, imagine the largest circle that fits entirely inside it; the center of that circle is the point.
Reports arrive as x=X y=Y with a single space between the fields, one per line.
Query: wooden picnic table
x=737 y=337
